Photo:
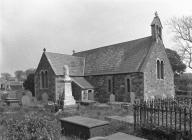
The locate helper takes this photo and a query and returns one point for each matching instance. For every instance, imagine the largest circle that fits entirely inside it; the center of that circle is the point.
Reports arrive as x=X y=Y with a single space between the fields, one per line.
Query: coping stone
x=84 y=121
x=118 y=136
x=123 y=136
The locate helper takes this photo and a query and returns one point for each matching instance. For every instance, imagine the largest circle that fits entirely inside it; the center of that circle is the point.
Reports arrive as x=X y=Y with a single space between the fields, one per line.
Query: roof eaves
x=112 y=73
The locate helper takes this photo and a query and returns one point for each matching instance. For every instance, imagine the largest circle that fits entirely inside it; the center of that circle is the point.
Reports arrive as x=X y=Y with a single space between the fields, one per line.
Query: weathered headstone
x=26 y=100
x=45 y=98
x=33 y=101
x=19 y=94
x=112 y=98
x=164 y=96
x=28 y=93
x=137 y=101
x=152 y=97
x=132 y=96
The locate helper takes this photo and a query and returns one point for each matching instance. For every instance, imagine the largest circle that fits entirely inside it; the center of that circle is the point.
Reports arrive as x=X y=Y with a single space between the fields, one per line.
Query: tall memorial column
x=68 y=97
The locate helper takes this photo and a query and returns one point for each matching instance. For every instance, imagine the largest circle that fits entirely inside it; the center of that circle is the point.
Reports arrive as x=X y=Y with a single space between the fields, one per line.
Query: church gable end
x=158 y=74
x=44 y=79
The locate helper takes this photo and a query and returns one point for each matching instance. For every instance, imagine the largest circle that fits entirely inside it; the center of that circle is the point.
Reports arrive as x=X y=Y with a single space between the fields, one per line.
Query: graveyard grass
x=97 y=112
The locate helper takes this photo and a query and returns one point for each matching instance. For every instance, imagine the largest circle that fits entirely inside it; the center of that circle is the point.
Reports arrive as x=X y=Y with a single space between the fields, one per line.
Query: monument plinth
x=68 y=96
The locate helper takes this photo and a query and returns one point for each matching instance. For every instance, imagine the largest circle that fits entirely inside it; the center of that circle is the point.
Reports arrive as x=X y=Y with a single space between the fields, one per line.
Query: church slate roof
x=124 y=57
x=82 y=82
x=57 y=62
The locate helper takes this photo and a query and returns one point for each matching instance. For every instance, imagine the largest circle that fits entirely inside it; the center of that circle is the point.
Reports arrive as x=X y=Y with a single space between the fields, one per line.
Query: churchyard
x=32 y=119
x=155 y=119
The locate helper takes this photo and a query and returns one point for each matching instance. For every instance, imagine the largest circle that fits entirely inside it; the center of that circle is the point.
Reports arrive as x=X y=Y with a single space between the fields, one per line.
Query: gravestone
x=33 y=101
x=45 y=98
x=26 y=100
x=132 y=96
x=138 y=101
x=164 y=96
x=152 y=97
x=19 y=94
x=112 y=98
x=64 y=89
x=28 y=93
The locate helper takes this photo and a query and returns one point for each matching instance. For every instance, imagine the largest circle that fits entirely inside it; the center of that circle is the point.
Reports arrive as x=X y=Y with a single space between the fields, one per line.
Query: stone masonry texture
x=153 y=86
x=144 y=84
x=101 y=91
x=44 y=65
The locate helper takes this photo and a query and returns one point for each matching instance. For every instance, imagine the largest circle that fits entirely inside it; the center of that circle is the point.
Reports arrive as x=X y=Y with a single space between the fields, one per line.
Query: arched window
x=46 y=79
x=110 y=85
x=128 y=85
x=158 y=69
x=42 y=79
x=162 y=70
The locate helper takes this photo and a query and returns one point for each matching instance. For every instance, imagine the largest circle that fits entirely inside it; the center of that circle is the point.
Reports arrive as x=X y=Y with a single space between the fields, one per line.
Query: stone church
x=140 y=67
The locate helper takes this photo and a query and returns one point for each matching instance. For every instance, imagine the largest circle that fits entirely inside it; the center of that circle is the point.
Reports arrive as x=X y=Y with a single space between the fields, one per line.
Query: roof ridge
x=112 y=45
x=64 y=54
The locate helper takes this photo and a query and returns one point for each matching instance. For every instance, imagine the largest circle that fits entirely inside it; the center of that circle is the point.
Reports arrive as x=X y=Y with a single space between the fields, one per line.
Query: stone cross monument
x=68 y=97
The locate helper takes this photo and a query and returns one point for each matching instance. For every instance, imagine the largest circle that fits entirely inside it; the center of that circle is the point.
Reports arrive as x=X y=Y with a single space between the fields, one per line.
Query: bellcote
x=156 y=28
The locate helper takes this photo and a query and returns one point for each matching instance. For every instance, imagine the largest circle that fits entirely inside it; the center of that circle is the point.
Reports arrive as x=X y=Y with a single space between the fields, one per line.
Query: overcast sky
x=28 y=26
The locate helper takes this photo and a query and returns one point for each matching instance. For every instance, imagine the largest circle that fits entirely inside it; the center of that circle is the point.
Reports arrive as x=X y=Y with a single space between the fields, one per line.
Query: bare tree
x=182 y=29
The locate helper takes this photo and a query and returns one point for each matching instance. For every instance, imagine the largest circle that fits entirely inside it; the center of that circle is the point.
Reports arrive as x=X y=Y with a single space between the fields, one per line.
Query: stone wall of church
x=76 y=90
x=44 y=65
x=154 y=87
x=100 y=83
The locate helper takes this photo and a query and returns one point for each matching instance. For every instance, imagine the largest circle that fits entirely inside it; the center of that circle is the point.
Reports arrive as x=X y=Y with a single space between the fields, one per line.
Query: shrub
x=33 y=127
